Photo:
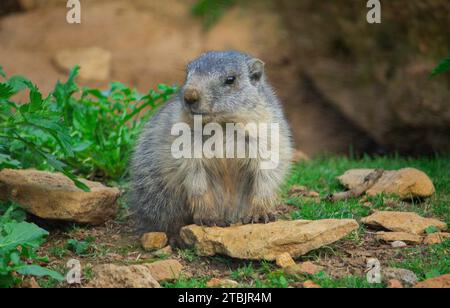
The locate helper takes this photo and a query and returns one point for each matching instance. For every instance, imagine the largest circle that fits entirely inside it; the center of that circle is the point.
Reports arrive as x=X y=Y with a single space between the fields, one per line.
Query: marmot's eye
x=230 y=80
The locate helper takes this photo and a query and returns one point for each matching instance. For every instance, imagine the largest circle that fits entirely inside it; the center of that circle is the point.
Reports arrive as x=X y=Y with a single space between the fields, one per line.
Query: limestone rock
x=398 y=244
x=165 y=270
x=94 y=62
x=54 y=196
x=267 y=241
x=221 y=283
x=436 y=238
x=403 y=222
x=309 y=284
x=154 y=240
x=406 y=183
x=399 y=236
x=307 y=267
x=114 y=276
x=284 y=260
x=437 y=282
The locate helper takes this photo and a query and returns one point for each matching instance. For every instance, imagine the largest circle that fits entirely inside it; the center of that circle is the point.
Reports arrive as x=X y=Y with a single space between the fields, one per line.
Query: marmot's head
x=222 y=83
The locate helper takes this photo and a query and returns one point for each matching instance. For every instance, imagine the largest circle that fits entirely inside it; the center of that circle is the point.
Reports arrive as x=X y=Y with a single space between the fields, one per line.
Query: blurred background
x=347 y=86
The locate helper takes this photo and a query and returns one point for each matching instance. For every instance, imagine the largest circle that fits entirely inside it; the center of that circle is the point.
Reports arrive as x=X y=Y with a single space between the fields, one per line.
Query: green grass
x=426 y=262
x=320 y=175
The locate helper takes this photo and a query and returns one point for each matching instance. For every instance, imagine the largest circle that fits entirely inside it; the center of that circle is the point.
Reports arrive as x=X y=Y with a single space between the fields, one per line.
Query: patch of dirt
x=116 y=243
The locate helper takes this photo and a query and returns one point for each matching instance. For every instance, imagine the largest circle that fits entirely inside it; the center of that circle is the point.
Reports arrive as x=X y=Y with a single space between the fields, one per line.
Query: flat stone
x=221 y=283
x=436 y=238
x=398 y=244
x=399 y=236
x=284 y=260
x=406 y=183
x=165 y=270
x=153 y=240
x=403 y=222
x=54 y=196
x=309 y=284
x=115 y=276
x=302 y=268
x=267 y=241
x=437 y=282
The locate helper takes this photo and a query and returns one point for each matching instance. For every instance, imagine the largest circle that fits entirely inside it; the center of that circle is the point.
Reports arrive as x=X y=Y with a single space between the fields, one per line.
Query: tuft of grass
x=353 y=282
x=188 y=254
x=426 y=261
x=187 y=283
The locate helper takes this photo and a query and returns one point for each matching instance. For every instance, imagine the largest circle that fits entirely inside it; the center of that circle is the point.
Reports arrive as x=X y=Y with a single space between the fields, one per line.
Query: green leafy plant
x=104 y=125
x=30 y=133
x=18 y=244
x=74 y=130
x=80 y=248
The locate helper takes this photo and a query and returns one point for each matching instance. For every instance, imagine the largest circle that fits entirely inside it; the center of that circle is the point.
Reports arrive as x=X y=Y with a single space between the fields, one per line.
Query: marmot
x=168 y=193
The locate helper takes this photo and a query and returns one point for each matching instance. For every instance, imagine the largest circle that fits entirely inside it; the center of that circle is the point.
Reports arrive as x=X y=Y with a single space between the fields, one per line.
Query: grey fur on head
x=168 y=193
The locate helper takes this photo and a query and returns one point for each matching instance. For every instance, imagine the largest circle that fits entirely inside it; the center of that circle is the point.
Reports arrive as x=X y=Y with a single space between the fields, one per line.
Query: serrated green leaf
x=2 y=72
x=38 y=271
x=19 y=83
x=6 y=91
x=23 y=233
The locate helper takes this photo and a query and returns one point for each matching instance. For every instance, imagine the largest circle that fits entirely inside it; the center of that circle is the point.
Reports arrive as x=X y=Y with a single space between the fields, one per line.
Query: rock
x=153 y=240
x=436 y=238
x=394 y=284
x=284 y=260
x=165 y=270
x=309 y=268
x=267 y=241
x=405 y=276
x=221 y=283
x=437 y=282
x=94 y=62
x=403 y=222
x=54 y=196
x=398 y=244
x=302 y=191
x=115 y=276
x=399 y=236
x=309 y=284
x=406 y=183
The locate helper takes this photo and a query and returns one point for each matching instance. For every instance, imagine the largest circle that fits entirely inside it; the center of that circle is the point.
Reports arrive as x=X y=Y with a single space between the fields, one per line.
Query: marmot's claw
x=211 y=222
x=264 y=218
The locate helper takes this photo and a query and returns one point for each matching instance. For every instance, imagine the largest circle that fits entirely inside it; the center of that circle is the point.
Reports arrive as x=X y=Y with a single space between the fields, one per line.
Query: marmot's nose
x=191 y=96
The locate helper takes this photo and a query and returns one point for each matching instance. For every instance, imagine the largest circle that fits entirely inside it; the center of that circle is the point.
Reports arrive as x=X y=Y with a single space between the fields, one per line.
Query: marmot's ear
x=256 y=69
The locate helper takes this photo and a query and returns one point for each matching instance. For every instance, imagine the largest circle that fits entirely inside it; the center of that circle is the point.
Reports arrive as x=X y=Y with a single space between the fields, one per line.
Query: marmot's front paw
x=262 y=216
